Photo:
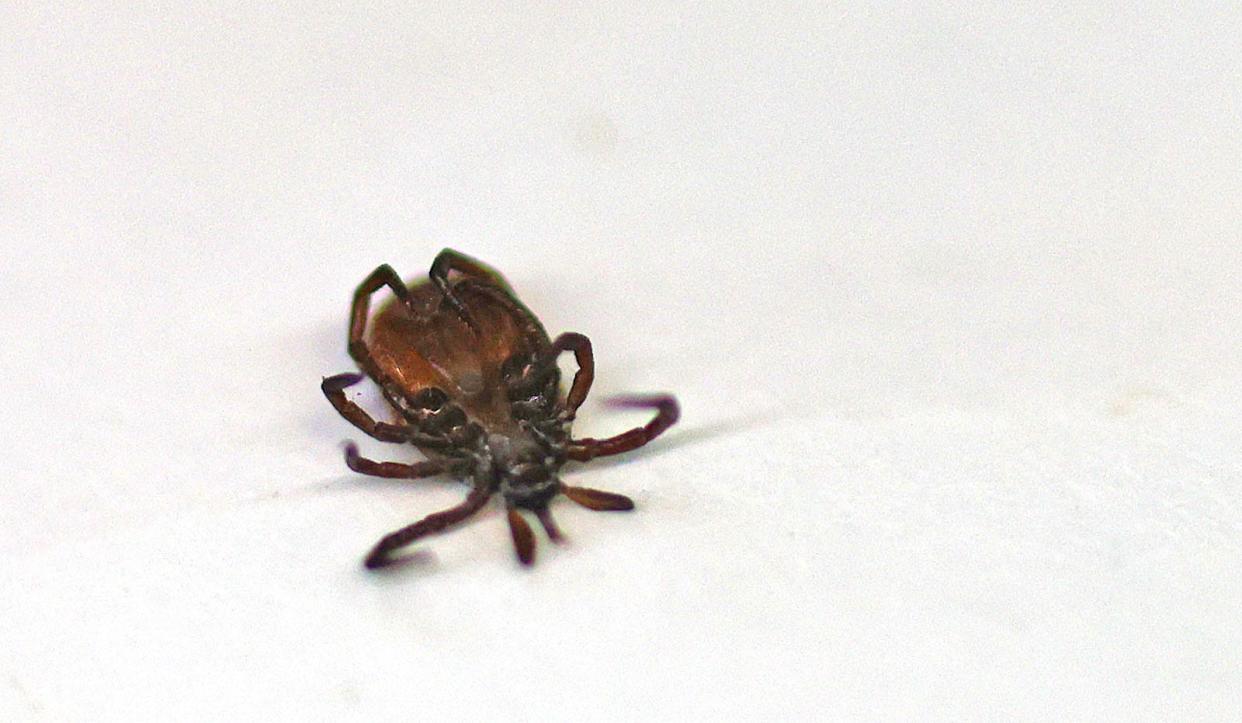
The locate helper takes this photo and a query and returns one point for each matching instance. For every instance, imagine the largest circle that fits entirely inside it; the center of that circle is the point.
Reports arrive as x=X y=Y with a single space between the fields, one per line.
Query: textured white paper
x=949 y=294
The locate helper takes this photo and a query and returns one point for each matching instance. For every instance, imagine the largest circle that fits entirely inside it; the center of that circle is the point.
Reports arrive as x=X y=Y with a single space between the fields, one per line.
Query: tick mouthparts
x=549 y=525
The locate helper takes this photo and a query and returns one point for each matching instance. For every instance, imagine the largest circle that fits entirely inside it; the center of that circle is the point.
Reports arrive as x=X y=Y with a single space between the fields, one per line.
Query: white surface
x=950 y=297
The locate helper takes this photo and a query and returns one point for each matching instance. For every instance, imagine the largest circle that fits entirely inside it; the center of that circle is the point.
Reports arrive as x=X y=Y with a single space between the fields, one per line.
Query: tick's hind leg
x=667 y=413
x=581 y=347
x=334 y=389
x=449 y=260
x=382 y=276
x=430 y=524
x=392 y=470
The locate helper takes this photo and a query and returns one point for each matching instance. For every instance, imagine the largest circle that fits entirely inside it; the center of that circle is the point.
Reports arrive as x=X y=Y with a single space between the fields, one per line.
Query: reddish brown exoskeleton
x=473 y=379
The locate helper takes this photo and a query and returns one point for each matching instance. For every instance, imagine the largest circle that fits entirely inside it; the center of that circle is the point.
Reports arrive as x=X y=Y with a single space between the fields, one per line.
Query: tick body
x=473 y=382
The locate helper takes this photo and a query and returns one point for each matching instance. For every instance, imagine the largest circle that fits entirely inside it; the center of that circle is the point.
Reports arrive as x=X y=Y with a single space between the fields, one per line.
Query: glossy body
x=473 y=382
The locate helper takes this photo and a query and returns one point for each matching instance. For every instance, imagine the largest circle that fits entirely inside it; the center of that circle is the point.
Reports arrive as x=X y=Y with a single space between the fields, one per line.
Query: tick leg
x=598 y=499
x=333 y=387
x=382 y=276
x=667 y=412
x=581 y=347
x=523 y=538
x=450 y=260
x=392 y=470
x=334 y=390
x=430 y=524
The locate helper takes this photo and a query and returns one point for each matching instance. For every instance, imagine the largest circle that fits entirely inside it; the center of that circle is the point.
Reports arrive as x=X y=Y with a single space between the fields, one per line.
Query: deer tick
x=473 y=381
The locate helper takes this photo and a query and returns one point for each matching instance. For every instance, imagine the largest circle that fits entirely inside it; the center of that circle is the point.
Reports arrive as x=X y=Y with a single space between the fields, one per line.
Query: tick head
x=523 y=470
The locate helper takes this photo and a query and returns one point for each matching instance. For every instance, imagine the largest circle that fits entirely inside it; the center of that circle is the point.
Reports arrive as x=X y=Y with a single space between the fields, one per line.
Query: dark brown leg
x=549 y=525
x=598 y=499
x=334 y=390
x=392 y=470
x=523 y=538
x=449 y=260
x=333 y=386
x=432 y=523
x=382 y=276
x=666 y=414
x=581 y=347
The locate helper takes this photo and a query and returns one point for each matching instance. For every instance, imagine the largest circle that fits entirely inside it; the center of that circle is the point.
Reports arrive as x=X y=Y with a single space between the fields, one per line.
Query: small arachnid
x=473 y=380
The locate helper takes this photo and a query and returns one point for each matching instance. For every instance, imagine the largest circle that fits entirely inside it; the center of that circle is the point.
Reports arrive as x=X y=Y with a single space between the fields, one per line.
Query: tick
x=473 y=382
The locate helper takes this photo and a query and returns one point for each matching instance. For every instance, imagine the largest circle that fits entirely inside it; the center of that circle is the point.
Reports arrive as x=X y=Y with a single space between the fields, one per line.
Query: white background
x=949 y=293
